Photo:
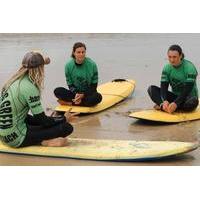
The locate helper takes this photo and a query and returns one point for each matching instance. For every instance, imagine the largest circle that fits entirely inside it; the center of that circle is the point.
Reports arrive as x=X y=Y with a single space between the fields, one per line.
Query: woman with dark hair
x=21 y=94
x=82 y=79
x=181 y=75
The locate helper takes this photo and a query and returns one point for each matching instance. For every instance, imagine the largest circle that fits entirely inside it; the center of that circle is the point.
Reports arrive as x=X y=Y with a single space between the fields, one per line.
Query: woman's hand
x=78 y=98
x=70 y=116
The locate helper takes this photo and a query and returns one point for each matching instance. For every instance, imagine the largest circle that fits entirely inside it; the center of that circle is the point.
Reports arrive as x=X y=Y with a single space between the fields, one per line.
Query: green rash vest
x=81 y=76
x=178 y=76
x=15 y=104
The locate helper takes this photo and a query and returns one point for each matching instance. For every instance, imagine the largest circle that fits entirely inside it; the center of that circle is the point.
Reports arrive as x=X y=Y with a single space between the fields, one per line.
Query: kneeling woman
x=181 y=74
x=82 y=79
x=22 y=94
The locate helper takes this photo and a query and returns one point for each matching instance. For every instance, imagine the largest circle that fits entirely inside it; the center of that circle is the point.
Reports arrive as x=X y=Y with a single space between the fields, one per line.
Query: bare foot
x=56 y=142
x=157 y=107
x=66 y=103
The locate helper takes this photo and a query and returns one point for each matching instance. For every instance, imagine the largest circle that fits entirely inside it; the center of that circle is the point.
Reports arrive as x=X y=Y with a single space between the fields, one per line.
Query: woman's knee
x=151 y=88
x=58 y=91
x=191 y=104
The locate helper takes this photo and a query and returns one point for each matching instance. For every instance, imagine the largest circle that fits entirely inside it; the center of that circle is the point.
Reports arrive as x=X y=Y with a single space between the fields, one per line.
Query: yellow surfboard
x=160 y=116
x=112 y=93
x=115 y=150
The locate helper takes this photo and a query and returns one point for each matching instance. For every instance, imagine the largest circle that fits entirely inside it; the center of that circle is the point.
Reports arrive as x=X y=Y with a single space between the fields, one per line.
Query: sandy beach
x=135 y=56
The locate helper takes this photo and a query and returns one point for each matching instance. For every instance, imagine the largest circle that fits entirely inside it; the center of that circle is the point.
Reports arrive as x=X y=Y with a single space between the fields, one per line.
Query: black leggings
x=36 y=133
x=189 y=104
x=67 y=95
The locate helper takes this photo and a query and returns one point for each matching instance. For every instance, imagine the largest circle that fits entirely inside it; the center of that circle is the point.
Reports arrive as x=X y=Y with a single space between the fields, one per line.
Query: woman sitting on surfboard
x=21 y=94
x=82 y=79
x=181 y=74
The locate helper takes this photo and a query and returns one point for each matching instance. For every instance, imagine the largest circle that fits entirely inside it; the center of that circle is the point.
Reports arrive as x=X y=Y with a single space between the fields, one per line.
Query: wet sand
x=136 y=56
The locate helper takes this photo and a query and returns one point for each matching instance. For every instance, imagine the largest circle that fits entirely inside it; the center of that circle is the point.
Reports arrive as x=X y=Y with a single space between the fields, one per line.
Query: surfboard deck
x=110 y=150
x=112 y=93
x=160 y=116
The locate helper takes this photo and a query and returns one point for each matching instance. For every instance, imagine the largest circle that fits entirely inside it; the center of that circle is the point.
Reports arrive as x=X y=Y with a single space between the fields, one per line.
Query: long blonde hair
x=36 y=75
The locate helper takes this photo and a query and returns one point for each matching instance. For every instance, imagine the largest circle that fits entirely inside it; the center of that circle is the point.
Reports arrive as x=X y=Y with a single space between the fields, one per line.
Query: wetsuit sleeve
x=165 y=74
x=164 y=82
x=186 y=91
x=191 y=74
x=68 y=75
x=188 y=85
x=94 y=82
x=164 y=89
x=95 y=74
x=69 y=79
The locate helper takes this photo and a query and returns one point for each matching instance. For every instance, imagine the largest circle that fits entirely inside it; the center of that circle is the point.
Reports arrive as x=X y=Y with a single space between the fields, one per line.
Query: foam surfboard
x=113 y=150
x=112 y=93
x=160 y=116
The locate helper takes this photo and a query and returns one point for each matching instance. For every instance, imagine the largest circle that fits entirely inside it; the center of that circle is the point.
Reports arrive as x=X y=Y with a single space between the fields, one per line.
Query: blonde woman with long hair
x=21 y=94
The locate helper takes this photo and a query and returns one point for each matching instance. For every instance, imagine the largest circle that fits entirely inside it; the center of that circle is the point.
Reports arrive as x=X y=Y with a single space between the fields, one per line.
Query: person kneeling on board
x=22 y=94
x=82 y=78
x=181 y=75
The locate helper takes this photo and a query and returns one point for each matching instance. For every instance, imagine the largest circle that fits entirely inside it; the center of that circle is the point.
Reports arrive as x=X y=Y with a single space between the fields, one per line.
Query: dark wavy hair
x=76 y=46
x=176 y=47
